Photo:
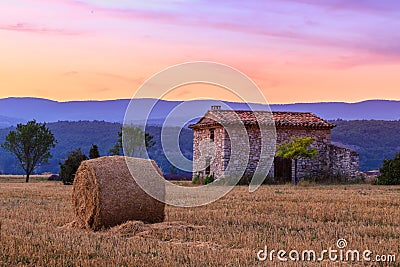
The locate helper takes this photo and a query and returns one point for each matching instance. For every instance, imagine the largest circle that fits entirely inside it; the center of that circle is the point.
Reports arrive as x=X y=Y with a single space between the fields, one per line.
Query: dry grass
x=21 y=178
x=228 y=232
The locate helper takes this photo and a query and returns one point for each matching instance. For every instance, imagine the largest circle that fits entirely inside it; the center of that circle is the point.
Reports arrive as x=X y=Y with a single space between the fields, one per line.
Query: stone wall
x=330 y=160
x=245 y=156
x=204 y=147
x=343 y=161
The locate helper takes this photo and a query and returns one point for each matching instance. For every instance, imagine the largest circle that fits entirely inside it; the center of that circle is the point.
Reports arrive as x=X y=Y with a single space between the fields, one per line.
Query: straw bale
x=105 y=194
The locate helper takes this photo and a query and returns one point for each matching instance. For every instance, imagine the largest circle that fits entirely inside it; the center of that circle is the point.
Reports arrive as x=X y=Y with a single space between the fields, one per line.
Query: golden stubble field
x=34 y=228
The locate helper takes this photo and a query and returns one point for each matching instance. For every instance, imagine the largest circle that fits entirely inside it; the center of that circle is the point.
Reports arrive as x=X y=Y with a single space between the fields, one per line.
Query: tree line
x=31 y=144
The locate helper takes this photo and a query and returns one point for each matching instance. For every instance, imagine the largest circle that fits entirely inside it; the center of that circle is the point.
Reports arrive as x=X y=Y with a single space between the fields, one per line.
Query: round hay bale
x=105 y=194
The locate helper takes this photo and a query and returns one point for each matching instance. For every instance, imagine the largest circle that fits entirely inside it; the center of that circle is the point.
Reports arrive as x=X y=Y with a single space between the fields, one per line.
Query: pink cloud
x=273 y=28
x=25 y=27
x=323 y=31
x=127 y=13
x=365 y=6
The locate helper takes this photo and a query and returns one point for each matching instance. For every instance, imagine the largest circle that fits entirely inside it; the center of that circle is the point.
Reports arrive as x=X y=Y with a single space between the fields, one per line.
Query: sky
x=294 y=50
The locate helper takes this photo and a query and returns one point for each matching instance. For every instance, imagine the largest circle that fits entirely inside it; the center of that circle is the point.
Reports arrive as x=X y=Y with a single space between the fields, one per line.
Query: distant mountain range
x=16 y=110
x=373 y=140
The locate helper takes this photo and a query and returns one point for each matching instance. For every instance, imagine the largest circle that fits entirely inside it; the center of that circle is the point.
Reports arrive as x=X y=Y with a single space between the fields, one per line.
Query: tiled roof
x=281 y=119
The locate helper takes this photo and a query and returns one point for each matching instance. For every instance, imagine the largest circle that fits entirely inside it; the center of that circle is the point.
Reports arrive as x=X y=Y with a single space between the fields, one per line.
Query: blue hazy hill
x=14 y=110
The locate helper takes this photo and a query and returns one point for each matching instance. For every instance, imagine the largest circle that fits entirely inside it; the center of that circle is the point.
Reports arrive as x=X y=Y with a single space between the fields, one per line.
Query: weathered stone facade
x=212 y=146
x=346 y=161
x=204 y=148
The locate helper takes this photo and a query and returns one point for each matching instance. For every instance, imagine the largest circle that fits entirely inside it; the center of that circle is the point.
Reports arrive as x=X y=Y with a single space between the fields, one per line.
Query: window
x=208 y=166
x=212 y=135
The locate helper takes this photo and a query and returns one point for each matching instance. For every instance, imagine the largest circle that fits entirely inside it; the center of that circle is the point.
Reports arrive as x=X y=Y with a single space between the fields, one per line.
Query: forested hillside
x=373 y=140
x=82 y=134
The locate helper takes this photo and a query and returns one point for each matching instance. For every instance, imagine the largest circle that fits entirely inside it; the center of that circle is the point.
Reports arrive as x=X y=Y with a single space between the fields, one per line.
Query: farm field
x=34 y=229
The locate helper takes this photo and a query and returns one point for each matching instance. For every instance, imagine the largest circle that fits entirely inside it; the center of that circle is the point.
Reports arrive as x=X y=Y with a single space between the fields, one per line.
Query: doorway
x=283 y=170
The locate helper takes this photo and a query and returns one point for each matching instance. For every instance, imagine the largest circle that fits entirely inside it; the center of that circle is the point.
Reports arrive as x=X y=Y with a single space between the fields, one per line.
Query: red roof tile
x=281 y=119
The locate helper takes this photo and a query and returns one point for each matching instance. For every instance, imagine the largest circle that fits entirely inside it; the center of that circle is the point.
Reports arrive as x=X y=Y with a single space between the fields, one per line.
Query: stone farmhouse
x=332 y=160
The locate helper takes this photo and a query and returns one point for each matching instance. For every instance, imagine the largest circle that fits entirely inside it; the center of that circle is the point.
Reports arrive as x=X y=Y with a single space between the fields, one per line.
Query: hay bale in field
x=105 y=194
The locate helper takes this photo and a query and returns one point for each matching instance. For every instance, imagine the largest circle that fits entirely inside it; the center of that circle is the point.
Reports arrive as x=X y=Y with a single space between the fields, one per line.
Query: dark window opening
x=208 y=166
x=212 y=134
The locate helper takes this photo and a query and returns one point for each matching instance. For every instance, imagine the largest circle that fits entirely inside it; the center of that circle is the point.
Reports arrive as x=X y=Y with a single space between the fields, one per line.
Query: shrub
x=71 y=165
x=209 y=179
x=390 y=172
x=196 y=179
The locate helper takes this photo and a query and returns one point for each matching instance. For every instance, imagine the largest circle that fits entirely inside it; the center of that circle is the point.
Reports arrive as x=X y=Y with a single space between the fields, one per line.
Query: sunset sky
x=295 y=50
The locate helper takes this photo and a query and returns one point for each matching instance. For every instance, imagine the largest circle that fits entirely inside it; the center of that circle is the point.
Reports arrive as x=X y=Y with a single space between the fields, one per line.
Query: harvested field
x=34 y=228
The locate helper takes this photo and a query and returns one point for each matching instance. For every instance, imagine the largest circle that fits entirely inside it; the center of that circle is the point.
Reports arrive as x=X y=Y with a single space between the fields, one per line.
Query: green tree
x=71 y=165
x=390 y=171
x=296 y=149
x=31 y=144
x=94 y=152
x=133 y=145
x=117 y=149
